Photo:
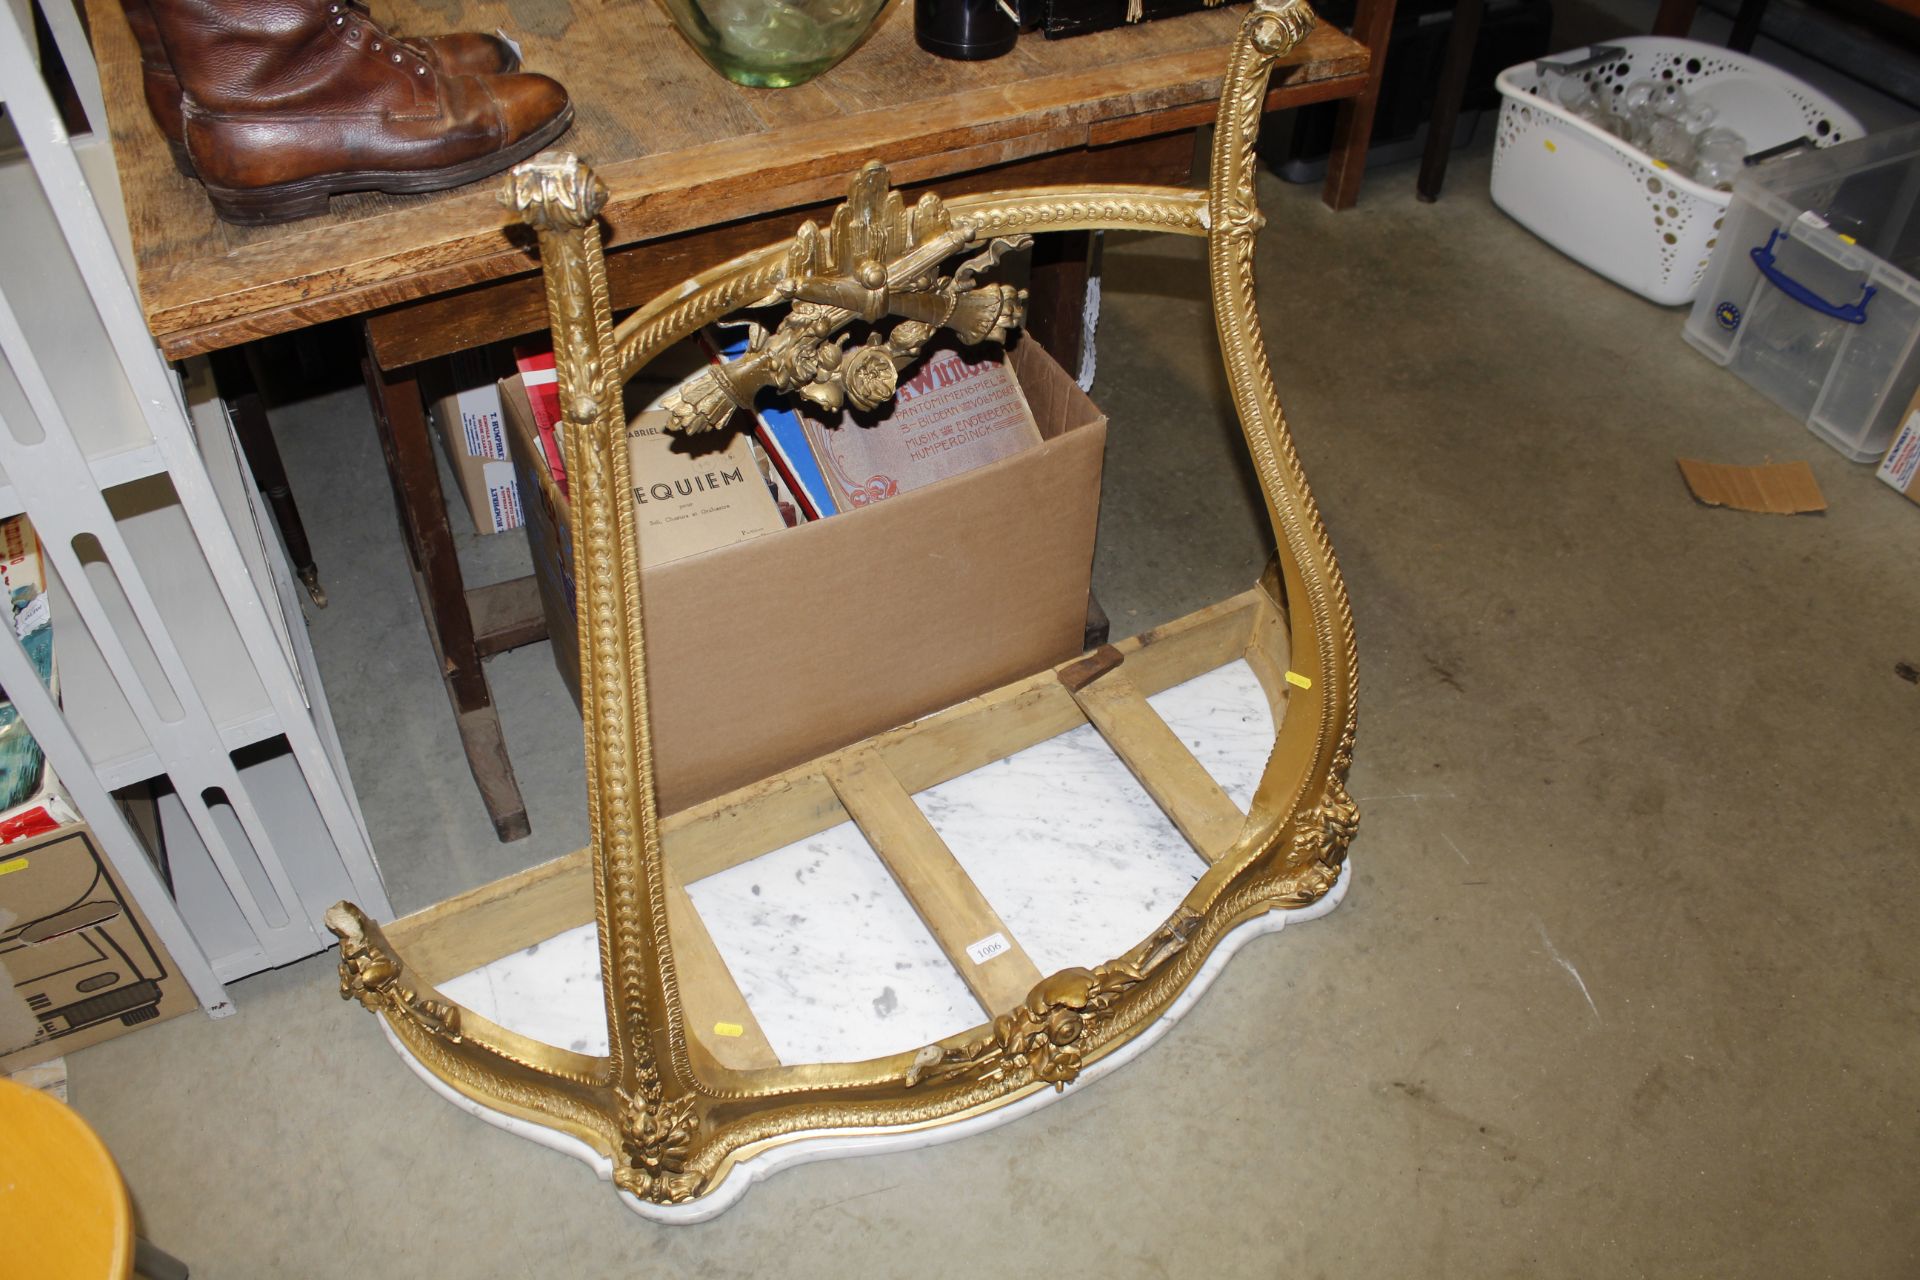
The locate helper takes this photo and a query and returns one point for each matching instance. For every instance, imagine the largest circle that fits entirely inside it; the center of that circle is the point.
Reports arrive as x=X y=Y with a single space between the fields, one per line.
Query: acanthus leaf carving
x=554 y=191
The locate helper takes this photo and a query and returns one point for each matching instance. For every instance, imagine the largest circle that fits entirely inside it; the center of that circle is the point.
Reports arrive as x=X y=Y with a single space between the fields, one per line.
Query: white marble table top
x=1074 y=856
x=1061 y=839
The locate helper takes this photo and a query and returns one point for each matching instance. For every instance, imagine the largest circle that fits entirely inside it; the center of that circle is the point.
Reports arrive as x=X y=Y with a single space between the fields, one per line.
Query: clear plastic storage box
x=1810 y=295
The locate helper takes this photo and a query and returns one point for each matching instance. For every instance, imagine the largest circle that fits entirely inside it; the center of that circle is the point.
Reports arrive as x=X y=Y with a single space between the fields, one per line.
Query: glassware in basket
x=1658 y=118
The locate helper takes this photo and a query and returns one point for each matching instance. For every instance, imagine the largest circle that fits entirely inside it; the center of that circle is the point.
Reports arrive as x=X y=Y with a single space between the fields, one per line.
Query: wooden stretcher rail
x=870 y=778
x=725 y=1024
x=956 y=913
x=1154 y=754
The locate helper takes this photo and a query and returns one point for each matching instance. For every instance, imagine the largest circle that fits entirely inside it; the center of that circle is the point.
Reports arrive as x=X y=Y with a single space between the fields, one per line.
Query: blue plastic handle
x=1846 y=312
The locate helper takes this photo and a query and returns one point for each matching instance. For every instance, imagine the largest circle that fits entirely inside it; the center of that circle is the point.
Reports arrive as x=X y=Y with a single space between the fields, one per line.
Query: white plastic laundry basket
x=1615 y=209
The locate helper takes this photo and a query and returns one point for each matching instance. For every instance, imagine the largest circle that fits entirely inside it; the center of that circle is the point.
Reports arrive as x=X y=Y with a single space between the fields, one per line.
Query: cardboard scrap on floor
x=1775 y=488
x=48 y=1077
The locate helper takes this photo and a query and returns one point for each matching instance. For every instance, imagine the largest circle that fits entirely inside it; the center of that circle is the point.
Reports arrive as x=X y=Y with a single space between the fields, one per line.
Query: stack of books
x=957 y=411
x=690 y=493
x=784 y=467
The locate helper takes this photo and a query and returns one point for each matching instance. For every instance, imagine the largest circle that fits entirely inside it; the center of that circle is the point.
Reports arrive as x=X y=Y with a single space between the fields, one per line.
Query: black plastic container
x=967 y=30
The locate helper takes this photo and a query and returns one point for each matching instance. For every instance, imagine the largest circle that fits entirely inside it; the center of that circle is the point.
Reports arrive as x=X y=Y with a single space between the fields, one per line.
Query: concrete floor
x=1624 y=985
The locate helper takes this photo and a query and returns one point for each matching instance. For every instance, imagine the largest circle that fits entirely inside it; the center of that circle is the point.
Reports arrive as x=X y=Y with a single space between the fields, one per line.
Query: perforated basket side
x=1602 y=203
x=1615 y=209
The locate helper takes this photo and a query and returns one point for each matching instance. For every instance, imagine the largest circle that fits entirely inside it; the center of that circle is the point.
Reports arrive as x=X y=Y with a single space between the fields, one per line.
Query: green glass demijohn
x=772 y=44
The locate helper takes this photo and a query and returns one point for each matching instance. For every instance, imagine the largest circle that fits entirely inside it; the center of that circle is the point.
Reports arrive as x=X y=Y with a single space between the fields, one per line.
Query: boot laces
x=353 y=19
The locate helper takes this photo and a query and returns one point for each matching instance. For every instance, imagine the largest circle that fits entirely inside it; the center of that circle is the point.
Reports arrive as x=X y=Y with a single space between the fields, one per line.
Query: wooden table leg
x=233 y=379
x=1063 y=263
x=1746 y=25
x=399 y=409
x=1675 y=17
x=1353 y=127
x=1447 y=96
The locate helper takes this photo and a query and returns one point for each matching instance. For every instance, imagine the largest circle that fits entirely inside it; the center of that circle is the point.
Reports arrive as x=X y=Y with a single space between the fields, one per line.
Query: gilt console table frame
x=673 y=1111
x=697 y=170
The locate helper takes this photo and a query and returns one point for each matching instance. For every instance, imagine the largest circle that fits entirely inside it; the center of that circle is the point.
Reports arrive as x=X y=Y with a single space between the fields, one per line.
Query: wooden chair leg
x=1674 y=18
x=1062 y=265
x=1099 y=626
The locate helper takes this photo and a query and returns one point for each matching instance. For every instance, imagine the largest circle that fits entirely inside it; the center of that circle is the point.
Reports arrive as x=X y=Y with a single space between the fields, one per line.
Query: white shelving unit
x=182 y=652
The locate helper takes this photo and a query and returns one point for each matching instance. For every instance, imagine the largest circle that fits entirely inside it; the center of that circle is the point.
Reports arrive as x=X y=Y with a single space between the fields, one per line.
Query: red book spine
x=543 y=397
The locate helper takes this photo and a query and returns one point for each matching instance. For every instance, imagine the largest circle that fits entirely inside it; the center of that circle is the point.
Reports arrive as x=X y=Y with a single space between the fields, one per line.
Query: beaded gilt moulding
x=691 y=1100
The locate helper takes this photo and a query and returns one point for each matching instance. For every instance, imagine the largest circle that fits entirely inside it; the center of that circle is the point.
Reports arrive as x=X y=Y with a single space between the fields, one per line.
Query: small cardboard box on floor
x=1901 y=467
x=79 y=962
x=766 y=653
x=475 y=440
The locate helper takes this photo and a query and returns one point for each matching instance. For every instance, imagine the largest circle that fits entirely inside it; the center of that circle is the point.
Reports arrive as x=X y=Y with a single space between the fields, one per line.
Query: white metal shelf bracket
x=278 y=890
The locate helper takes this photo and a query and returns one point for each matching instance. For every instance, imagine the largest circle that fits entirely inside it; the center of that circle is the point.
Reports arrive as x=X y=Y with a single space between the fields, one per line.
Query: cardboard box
x=474 y=435
x=767 y=653
x=1901 y=467
x=81 y=963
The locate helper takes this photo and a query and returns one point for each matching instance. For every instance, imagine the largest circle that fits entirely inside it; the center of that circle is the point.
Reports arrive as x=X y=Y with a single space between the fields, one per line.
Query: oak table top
x=678 y=147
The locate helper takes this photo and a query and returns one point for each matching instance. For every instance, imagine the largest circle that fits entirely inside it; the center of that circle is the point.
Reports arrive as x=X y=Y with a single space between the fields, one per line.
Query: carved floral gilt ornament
x=656 y=1136
x=371 y=973
x=1045 y=1037
x=663 y=1111
x=875 y=262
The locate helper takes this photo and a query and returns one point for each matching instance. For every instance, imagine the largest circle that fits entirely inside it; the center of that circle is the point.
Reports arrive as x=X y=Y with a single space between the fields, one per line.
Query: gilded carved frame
x=672 y=1121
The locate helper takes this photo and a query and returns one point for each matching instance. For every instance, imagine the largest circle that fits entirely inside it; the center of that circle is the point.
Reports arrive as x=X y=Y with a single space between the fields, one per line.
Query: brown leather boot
x=162 y=86
x=463 y=53
x=287 y=102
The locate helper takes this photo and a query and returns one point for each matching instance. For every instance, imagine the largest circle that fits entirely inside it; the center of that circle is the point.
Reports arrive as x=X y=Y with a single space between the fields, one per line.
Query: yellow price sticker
x=12 y=865
x=1299 y=681
x=732 y=1030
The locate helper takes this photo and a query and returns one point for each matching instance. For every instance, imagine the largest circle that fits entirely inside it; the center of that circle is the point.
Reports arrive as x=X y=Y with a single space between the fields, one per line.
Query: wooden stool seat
x=64 y=1211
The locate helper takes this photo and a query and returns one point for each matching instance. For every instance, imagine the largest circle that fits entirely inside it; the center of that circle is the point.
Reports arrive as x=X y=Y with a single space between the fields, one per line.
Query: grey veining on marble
x=550 y=992
x=1068 y=847
x=1071 y=852
x=831 y=956
x=1226 y=721
x=836 y=965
